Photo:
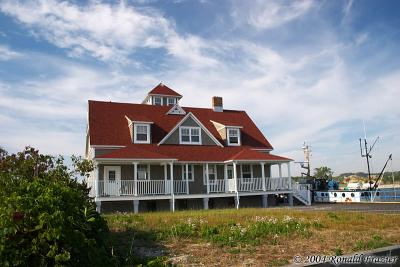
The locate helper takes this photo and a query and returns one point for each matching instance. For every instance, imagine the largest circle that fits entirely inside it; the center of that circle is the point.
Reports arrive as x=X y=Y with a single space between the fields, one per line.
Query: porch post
x=96 y=180
x=289 y=175
x=187 y=178
x=207 y=179
x=235 y=176
x=165 y=178
x=135 y=177
x=237 y=198
x=226 y=178
x=98 y=206
x=171 y=164
x=263 y=175
x=280 y=176
x=136 y=206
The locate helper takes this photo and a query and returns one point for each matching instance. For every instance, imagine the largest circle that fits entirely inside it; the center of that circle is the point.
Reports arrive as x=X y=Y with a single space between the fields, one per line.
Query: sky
x=315 y=71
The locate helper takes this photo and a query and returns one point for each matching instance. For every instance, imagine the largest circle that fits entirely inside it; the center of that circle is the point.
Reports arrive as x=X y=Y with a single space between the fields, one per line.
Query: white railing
x=217 y=186
x=90 y=184
x=278 y=183
x=162 y=187
x=250 y=184
x=151 y=187
x=179 y=187
x=302 y=192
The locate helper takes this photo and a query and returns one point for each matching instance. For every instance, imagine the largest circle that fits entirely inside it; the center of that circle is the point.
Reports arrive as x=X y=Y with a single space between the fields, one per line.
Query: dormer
x=229 y=132
x=140 y=131
x=162 y=95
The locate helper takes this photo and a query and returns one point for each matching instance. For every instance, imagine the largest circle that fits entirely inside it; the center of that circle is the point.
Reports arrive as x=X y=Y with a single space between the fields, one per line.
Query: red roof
x=162 y=89
x=109 y=126
x=189 y=153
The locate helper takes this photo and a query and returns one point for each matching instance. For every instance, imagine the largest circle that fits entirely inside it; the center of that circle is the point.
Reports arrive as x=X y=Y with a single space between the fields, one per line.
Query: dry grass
x=255 y=240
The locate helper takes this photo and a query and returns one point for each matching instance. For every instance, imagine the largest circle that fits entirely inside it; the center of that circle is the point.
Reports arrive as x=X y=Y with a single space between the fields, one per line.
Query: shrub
x=46 y=217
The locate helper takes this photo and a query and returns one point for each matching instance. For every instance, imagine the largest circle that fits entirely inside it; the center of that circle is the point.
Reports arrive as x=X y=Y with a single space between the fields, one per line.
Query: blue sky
x=304 y=70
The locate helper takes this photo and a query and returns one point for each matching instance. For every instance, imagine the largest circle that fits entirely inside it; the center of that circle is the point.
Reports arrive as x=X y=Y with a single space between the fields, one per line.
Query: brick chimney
x=217 y=104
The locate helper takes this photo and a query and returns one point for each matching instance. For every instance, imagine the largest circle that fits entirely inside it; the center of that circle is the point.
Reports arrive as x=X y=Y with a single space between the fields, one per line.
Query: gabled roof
x=108 y=125
x=190 y=115
x=162 y=89
x=187 y=153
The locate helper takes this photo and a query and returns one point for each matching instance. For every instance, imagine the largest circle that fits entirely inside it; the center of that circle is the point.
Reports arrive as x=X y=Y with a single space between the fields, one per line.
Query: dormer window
x=190 y=135
x=233 y=136
x=157 y=101
x=171 y=101
x=141 y=133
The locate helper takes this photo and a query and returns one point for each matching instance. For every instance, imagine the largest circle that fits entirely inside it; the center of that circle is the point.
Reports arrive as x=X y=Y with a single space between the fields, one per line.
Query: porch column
x=96 y=180
x=135 y=177
x=172 y=200
x=207 y=179
x=136 y=206
x=187 y=178
x=289 y=175
x=290 y=199
x=235 y=176
x=265 y=201
x=165 y=178
x=237 y=198
x=280 y=176
x=226 y=178
x=263 y=175
x=98 y=206
x=205 y=203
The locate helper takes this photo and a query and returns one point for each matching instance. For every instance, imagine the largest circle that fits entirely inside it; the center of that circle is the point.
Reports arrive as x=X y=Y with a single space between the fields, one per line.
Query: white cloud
x=8 y=54
x=109 y=32
x=270 y=14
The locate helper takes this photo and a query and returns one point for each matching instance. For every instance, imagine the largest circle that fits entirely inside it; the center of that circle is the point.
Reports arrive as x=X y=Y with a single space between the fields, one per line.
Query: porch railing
x=217 y=186
x=162 y=187
x=250 y=184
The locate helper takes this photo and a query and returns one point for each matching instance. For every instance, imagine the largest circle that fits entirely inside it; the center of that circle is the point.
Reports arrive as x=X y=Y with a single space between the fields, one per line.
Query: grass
x=249 y=236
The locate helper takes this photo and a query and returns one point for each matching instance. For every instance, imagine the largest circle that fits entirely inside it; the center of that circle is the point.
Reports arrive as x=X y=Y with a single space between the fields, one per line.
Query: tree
x=46 y=217
x=323 y=172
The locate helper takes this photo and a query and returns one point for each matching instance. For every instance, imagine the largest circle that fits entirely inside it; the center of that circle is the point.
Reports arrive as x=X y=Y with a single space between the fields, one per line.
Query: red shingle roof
x=162 y=89
x=190 y=153
x=108 y=125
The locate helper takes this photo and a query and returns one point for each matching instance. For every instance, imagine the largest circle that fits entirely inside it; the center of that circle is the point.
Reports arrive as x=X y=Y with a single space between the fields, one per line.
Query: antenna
x=306 y=164
x=366 y=153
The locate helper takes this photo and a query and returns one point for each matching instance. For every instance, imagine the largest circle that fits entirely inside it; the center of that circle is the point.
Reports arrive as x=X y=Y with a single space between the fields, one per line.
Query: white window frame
x=190 y=142
x=251 y=174
x=211 y=181
x=157 y=97
x=190 y=170
x=228 y=130
x=173 y=101
x=135 y=132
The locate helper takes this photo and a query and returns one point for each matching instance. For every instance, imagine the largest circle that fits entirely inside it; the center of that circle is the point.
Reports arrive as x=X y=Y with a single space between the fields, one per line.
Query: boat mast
x=366 y=153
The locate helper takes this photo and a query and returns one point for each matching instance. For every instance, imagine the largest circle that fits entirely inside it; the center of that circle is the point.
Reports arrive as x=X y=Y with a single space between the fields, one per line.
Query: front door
x=112 y=180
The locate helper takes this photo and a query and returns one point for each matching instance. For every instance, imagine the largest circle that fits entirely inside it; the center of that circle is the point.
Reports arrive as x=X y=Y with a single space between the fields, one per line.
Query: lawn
x=246 y=237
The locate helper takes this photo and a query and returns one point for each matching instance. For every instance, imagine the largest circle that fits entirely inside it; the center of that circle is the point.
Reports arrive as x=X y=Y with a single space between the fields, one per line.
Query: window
x=143 y=172
x=247 y=171
x=142 y=133
x=212 y=174
x=190 y=173
x=157 y=101
x=111 y=176
x=233 y=137
x=171 y=101
x=190 y=135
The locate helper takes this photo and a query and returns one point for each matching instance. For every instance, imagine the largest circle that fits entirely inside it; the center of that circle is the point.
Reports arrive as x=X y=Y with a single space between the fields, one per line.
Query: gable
x=173 y=138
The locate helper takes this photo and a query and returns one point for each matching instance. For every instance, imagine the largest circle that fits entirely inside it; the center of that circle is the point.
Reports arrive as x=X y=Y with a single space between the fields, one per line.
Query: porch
x=141 y=179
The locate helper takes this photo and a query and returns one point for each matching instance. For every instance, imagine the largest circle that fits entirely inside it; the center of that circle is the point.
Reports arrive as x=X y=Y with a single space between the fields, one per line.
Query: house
x=158 y=155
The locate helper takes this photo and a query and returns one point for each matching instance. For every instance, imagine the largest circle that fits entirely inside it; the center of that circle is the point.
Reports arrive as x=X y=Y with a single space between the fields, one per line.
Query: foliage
x=376 y=241
x=323 y=172
x=47 y=218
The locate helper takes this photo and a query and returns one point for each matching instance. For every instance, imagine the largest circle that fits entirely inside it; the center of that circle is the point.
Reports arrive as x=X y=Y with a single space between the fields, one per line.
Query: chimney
x=217 y=104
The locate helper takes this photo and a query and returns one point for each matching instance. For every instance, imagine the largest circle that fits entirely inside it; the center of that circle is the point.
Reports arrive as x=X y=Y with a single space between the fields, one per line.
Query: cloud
x=109 y=32
x=8 y=54
x=270 y=14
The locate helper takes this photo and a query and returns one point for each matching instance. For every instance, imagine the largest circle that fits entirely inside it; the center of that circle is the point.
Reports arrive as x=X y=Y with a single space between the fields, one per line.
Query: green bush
x=47 y=218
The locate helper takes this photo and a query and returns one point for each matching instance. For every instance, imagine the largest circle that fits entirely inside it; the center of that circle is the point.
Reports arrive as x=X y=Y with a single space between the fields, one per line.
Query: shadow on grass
x=138 y=248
